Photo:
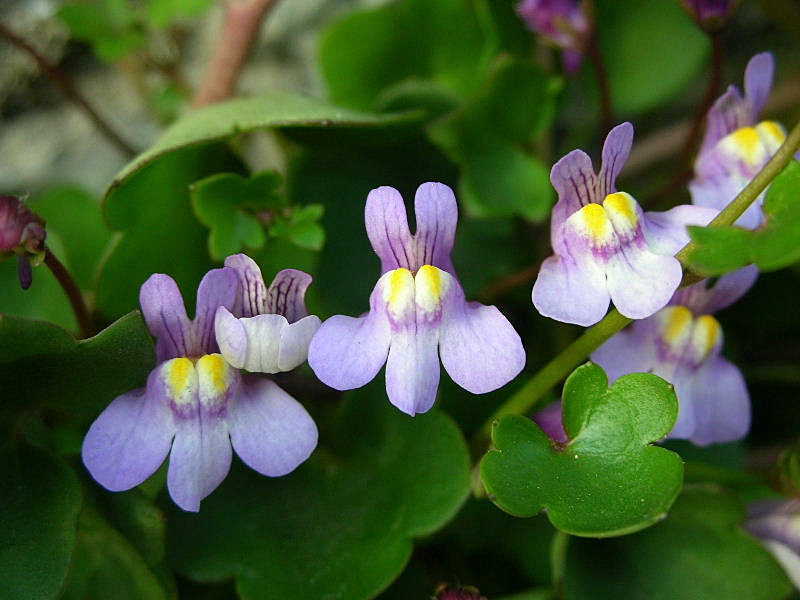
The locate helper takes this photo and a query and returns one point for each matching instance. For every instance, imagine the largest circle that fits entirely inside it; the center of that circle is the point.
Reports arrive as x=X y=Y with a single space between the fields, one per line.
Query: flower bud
x=22 y=233
x=561 y=22
x=710 y=15
x=448 y=592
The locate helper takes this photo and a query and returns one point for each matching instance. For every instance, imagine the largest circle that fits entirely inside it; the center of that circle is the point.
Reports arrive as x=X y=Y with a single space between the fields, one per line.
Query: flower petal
x=219 y=287
x=128 y=441
x=412 y=369
x=254 y=291
x=666 y=232
x=702 y=299
x=574 y=179
x=686 y=423
x=346 y=352
x=264 y=343
x=286 y=294
x=437 y=214
x=632 y=350
x=641 y=283
x=721 y=403
x=200 y=459
x=616 y=150
x=758 y=82
x=728 y=113
x=270 y=431
x=165 y=315
x=571 y=291
x=480 y=349
x=549 y=419
x=387 y=229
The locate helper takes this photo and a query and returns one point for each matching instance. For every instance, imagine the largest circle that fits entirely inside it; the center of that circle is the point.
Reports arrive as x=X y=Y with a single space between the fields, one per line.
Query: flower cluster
x=204 y=399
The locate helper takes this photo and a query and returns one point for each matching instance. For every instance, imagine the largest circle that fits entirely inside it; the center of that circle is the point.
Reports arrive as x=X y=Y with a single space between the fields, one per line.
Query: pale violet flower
x=776 y=523
x=196 y=406
x=418 y=313
x=606 y=248
x=682 y=344
x=737 y=145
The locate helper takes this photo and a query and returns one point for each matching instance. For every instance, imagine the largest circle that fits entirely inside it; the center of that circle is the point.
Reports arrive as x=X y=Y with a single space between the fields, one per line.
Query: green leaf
x=699 y=551
x=487 y=137
x=225 y=203
x=160 y=233
x=608 y=480
x=223 y=120
x=39 y=504
x=366 y=52
x=42 y=365
x=773 y=246
x=342 y=525
x=646 y=63
x=108 y=25
x=105 y=560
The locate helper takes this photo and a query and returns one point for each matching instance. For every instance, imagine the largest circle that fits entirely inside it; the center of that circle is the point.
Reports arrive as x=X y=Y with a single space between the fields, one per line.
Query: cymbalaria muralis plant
x=455 y=333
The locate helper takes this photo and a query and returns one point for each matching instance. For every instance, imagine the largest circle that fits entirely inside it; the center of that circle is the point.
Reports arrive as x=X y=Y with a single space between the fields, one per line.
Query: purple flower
x=196 y=404
x=777 y=524
x=22 y=233
x=417 y=307
x=736 y=146
x=711 y=15
x=275 y=329
x=605 y=247
x=682 y=344
x=562 y=22
x=448 y=592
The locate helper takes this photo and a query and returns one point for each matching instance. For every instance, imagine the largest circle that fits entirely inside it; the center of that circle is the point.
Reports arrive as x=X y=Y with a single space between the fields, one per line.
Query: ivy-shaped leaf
x=228 y=205
x=39 y=504
x=341 y=526
x=608 y=479
x=773 y=246
x=699 y=551
x=42 y=365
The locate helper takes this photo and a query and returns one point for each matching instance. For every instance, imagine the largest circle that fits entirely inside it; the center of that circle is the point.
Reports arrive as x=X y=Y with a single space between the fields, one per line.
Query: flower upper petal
x=286 y=294
x=412 y=368
x=129 y=440
x=437 y=214
x=254 y=291
x=616 y=150
x=480 y=349
x=200 y=459
x=165 y=315
x=574 y=179
x=270 y=431
x=387 y=229
x=728 y=113
x=219 y=287
x=758 y=82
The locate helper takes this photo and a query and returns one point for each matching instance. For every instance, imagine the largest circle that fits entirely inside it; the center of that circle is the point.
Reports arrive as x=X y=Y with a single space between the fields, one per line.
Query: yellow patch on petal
x=431 y=284
x=213 y=374
x=181 y=379
x=596 y=223
x=705 y=336
x=399 y=293
x=623 y=205
x=677 y=323
x=748 y=144
x=772 y=131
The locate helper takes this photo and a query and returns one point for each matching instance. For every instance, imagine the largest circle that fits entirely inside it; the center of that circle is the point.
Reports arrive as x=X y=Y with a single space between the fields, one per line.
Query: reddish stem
x=71 y=289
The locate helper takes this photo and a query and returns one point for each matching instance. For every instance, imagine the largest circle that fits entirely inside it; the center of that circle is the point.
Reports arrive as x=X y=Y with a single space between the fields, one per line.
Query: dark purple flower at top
x=450 y=592
x=418 y=313
x=777 y=524
x=196 y=405
x=562 y=22
x=22 y=233
x=682 y=344
x=605 y=247
x=736 y=145
x=711 y=15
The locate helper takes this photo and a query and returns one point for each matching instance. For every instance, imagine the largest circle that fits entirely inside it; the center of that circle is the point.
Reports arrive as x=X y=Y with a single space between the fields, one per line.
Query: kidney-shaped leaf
x=342 y=525
x=608 y=479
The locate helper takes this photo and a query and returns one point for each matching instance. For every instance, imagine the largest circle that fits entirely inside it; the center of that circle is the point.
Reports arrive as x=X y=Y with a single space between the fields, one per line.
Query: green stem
x=526 y=398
